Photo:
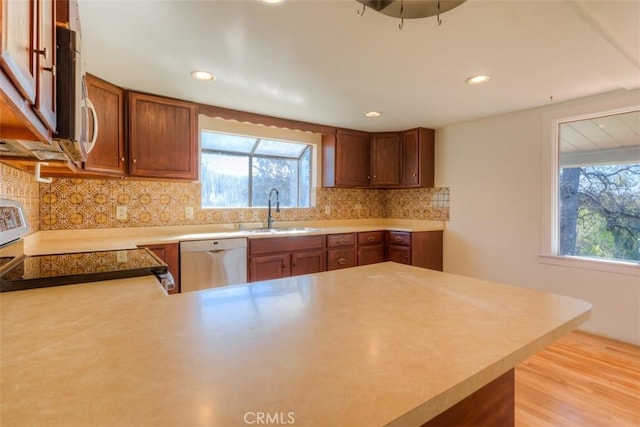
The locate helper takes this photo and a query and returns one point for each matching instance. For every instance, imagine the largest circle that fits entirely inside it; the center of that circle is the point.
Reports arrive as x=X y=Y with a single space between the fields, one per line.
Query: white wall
x=494 y=168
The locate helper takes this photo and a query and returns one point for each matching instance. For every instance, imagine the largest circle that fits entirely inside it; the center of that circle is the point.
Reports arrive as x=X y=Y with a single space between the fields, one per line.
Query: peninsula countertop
x=374 y=345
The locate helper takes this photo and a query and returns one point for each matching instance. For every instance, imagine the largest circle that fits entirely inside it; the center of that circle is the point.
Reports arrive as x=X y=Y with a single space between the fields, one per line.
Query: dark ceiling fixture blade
x=411 y=9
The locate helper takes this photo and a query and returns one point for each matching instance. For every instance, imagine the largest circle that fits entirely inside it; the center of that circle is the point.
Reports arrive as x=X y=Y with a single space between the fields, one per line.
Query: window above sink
x=238 y=166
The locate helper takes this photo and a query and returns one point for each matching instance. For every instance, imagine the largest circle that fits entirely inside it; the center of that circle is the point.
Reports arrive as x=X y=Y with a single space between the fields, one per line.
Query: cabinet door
x=341 y=258
x=45 y=105
x=399 y=254
x=352 y=159
x=108 y=155
x=385 y=160
x=410 y=159
x=426 y=247
x=18 y=56
x=308 y=262
x=370 y=254
x=162 y=137
x=418 y=158
x=269 y=267
x=169 y=253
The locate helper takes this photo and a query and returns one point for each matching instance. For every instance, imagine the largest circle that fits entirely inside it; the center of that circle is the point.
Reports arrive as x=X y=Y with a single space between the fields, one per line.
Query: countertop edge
x=79 y=240
x=446 y=400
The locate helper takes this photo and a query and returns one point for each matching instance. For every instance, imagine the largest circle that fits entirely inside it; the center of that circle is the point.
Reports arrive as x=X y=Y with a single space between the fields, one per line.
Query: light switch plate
x=327 y=210
x=188 y=212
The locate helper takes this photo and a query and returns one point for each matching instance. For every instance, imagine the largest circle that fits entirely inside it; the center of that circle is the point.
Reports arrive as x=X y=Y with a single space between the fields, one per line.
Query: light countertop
x=365 y=346
x=60 y=241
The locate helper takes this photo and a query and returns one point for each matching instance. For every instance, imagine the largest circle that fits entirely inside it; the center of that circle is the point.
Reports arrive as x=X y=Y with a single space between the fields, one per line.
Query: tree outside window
x=599 y=188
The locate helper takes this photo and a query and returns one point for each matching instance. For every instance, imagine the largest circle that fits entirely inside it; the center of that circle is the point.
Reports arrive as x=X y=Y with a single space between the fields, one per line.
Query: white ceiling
x=601 y=133
x=317 y=61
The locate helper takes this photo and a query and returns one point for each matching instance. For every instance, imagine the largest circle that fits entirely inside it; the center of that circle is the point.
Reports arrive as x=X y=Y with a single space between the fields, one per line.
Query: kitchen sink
x=280 y=230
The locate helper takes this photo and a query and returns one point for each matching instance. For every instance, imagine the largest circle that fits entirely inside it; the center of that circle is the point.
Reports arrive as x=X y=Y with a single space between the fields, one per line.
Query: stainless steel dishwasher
x=212 y=263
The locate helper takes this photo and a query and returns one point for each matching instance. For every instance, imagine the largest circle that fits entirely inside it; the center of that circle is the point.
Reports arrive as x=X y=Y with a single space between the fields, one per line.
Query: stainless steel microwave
x=75 y=134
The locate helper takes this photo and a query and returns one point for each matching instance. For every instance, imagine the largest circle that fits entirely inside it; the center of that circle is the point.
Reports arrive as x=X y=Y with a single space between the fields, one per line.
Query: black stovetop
x=64 y=269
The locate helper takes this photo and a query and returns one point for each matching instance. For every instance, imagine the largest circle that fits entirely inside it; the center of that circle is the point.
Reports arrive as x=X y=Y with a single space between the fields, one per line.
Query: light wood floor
x=582 y=380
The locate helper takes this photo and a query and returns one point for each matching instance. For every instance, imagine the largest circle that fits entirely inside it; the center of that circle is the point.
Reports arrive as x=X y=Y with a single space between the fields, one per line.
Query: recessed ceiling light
x=476 y=80
x=272 y=2
x=373 y=114
x=202 y=75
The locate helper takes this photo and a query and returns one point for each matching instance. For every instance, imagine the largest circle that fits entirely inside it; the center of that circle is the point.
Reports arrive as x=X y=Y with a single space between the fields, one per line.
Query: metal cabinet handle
x=371 y=239
x=399 y=239
x=123 y=159
x=44 y=52
x=342 y=261
x=134 y=160
x=342 y=242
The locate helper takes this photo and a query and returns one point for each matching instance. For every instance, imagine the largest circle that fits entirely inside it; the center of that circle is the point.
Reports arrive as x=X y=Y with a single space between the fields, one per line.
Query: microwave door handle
x=92 y=143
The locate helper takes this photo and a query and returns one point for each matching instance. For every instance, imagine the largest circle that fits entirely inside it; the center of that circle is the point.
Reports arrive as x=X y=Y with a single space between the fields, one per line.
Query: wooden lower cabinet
x=341 y=251
x=399 y=254
x=268 y=267
x=422 y=249
x=491 y=405
x=370 y=247
x=170 y=254
x=308 y=262
x=277 y=257
x=338 y=258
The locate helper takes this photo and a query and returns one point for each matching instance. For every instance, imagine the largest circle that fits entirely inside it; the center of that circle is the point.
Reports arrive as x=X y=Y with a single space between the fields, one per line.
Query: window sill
x=607 y=266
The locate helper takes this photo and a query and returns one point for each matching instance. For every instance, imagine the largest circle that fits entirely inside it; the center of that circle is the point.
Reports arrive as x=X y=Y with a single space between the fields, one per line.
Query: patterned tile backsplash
x=92 y=203
x=22 y=187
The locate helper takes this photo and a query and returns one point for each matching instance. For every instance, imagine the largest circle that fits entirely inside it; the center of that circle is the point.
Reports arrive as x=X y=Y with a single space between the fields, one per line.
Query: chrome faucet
x=269 y=218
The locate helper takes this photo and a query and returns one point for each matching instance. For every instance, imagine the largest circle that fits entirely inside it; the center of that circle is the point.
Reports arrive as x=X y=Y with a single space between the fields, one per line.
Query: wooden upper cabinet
x=67 y=14
x=418 y=158
x=45 y=105
x=19 y=38
x=27 y=76
x=385 y=160
x=108 y=155
x=162 y=137
x=346 y=158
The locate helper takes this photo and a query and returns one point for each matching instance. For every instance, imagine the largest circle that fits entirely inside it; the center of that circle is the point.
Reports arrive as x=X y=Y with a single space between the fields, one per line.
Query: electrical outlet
x=357 y=206
x=121 y=257
x=188 y=212
x=121 y=212
x=327 y=210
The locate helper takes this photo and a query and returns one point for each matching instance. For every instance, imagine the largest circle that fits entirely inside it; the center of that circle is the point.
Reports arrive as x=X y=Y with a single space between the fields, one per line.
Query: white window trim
x=615 y=103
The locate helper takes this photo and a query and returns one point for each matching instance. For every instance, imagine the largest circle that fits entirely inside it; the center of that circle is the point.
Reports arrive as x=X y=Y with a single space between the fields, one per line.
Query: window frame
x=311 y=140
x=552 y=120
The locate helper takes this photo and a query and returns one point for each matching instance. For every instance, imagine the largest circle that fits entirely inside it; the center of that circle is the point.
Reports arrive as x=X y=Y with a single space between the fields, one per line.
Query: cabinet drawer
x=370 y=238
x=400 y=238
x=285 y=244
x=338 y=240
x=341 y=258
